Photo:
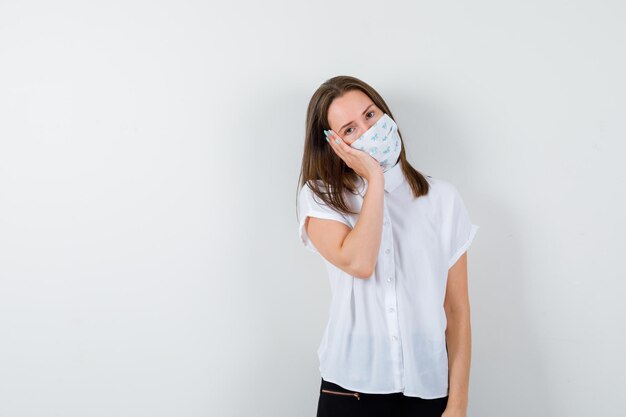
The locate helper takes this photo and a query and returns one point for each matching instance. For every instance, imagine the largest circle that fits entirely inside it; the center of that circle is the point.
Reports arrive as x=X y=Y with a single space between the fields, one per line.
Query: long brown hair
x=320 y=162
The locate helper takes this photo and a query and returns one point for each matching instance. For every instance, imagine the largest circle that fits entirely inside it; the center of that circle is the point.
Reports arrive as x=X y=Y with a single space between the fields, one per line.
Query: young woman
x=397 y=341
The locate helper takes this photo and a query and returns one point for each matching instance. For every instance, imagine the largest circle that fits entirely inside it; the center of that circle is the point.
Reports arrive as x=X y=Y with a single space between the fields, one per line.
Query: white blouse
x=386 y=333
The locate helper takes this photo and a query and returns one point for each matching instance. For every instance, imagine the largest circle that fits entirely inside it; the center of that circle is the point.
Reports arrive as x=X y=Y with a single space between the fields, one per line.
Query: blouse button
x=387 y=250
x=395 y=338
x=391 y=309
x=388 y=279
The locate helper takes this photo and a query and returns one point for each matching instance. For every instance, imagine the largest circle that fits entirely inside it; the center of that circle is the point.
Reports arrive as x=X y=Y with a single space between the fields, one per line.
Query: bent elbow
x=363 y=271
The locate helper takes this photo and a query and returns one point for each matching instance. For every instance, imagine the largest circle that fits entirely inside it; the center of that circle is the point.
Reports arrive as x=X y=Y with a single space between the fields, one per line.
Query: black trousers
x=336 y=401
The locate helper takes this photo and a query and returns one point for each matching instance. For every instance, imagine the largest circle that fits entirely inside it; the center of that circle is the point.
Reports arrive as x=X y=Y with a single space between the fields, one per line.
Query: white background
x=149 y=154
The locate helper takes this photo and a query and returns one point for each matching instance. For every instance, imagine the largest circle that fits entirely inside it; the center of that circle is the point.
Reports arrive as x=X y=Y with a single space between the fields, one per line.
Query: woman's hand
x=361 y=162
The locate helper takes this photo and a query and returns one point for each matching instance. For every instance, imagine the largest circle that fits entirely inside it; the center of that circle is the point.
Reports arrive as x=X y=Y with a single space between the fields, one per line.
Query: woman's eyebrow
x=364 y=111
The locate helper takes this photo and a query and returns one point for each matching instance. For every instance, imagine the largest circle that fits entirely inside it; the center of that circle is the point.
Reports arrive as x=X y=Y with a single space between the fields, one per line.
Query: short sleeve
x=309 y=205
x=458 y=231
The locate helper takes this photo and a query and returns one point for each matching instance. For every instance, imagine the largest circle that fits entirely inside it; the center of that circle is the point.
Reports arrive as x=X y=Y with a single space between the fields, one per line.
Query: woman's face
x=352 y=114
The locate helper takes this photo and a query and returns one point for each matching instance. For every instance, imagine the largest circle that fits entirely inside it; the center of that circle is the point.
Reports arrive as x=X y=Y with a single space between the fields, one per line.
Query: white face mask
x=381 y=141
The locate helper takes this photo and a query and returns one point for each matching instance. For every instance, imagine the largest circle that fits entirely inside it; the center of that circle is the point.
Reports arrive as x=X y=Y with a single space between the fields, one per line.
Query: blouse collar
x=393 y=177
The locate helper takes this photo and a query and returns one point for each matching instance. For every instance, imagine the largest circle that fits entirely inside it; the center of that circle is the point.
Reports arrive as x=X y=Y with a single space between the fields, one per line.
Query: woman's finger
x=338 y=144
x=332 y=140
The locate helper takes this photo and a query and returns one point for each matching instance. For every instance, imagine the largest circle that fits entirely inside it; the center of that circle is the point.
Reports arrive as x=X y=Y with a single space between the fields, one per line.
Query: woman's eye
x=348 y=131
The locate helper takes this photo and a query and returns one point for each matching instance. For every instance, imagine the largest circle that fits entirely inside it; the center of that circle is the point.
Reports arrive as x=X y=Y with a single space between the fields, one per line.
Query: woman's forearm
x=363 y=242
x=459 y=341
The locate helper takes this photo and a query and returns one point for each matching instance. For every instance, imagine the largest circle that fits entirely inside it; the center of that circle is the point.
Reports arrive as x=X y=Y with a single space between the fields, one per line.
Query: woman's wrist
x=376 y=179
x=456 y=403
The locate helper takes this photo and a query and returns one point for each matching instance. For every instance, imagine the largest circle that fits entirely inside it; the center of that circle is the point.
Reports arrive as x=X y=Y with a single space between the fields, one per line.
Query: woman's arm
x=353 y=250
x=458 y=337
